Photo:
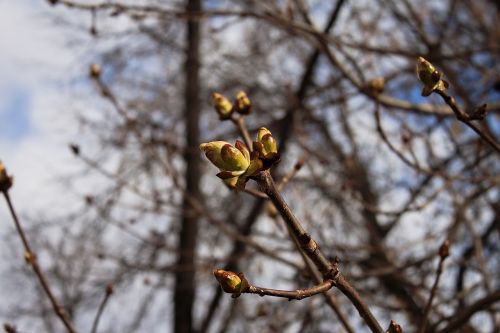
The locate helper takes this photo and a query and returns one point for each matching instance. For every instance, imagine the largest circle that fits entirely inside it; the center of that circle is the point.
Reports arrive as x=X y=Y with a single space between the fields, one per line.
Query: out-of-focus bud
x=444 y=249
x=376 y=86
x=222 y=105
x=242 y=104
x=480 y=112
x=430 y=77
x=53 y=2
x=29 y=257
x=9 y=328
x=231 y=282
x=5 y=180
x=95 y=71
x=394 y=328
x=75 y=149
x=109 y=289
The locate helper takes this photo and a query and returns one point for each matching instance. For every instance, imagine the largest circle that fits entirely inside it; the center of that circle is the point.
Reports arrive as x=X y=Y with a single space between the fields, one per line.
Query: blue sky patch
x=15 y=120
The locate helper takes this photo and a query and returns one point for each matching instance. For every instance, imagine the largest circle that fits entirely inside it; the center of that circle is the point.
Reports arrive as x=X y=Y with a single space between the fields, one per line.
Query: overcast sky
x=36 y=116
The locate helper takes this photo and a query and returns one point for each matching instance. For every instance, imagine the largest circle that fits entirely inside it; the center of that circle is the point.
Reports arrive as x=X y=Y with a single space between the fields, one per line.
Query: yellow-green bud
x=243 y=104
x=430 y=77
x=269 y=145
x=262 y=132
x=222 y=105
x=229 y=281
x=212 y=151
x=232 y=161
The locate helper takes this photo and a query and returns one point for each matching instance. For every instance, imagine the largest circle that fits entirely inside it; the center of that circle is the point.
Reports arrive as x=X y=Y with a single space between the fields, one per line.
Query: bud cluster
x=430 y=77
x=225 y=108
x=236 y=163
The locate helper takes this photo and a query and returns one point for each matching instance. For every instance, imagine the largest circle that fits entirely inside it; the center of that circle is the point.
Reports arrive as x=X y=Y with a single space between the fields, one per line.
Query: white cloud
x=36 y=60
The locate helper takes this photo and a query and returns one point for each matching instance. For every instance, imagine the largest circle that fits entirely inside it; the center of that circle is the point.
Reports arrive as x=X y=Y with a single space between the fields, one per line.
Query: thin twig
x=242 y=128
x=108 y=293
x=291 y=294
x=467 y=119
x=31 y=259
x=443 y=254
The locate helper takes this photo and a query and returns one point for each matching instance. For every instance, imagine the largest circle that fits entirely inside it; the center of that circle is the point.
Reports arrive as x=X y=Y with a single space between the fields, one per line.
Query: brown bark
x=184 y=292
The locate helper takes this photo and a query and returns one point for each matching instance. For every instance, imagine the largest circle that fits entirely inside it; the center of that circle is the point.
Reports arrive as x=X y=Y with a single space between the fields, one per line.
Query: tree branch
x=291 y=294
x=31 y=259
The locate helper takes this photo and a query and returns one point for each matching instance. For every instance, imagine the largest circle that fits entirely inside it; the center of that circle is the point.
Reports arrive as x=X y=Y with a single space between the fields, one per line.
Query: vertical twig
x=242 y=128
x=444 y=251
x=109 y=291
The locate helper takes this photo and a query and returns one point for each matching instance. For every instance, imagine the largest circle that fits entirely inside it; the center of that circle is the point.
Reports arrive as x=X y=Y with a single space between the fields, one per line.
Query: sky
x=40 y=65
x=36 y=118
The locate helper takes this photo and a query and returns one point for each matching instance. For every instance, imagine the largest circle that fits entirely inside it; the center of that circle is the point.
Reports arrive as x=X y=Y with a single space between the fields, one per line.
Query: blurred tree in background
x=379 y=175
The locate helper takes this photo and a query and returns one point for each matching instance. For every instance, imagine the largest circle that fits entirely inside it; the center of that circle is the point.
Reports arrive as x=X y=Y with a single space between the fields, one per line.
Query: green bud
x=243 y=148
x=213 y=150
x=242 y=104
x=262 y=131
x=269 y=144
x=222 y=105
x=229 y=281
x=266 y=145
x=430 y=77
x=234 y=160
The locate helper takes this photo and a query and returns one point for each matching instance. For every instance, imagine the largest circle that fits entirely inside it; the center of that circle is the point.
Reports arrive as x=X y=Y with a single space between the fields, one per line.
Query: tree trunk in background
x=184 y=292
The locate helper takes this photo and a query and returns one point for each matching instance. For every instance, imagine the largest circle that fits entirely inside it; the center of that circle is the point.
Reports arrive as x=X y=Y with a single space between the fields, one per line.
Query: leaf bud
x=444 y=249
x=243 y=104
x=222 y=105
x=430 y=77
x=229 y=281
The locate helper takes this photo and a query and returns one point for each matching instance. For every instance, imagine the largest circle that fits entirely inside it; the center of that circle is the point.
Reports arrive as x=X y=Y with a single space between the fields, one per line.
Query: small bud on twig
x=109 y=289
x=242 y=104
x=430 y=77
x=444 y=250
x=266 y=146
x=376 y=86
x=6 y=181
x=394 y=328
x=222 y=105
x=95 y=71
x=75 y=149
x=231 y=282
